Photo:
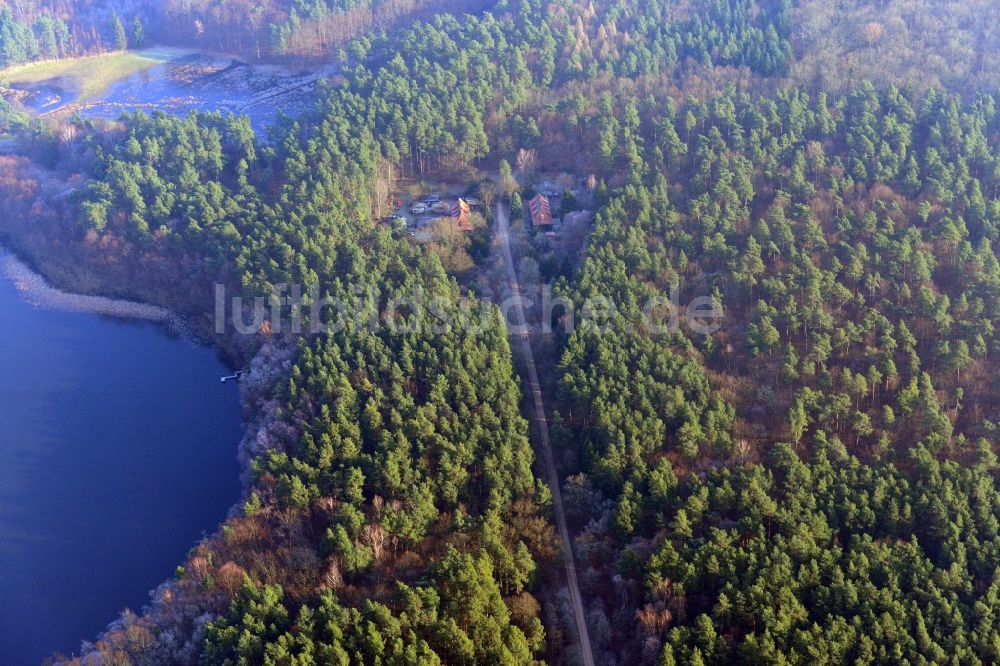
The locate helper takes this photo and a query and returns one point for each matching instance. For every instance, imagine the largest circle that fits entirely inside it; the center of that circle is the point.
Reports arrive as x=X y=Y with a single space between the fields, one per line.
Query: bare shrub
x=230 y=577
x=654 y=619
x=872 y=32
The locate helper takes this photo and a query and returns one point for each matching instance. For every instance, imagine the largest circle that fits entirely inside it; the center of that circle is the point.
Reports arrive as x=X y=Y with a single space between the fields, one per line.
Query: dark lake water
x=117 y=451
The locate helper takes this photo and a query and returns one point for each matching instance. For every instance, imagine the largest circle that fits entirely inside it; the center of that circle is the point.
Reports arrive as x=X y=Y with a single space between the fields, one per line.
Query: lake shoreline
x=67 y=281
x=100 y=408
x=258 y=419
x=38 y=291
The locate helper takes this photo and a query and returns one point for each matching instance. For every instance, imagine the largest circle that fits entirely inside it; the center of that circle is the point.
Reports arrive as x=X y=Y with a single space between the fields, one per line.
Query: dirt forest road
x=519 y=333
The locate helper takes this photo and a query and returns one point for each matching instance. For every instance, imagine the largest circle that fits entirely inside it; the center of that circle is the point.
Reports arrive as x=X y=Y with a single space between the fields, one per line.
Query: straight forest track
x=519 y=331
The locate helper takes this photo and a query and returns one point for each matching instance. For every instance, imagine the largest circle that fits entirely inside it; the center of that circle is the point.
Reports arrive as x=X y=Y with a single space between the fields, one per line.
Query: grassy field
x=85 y=77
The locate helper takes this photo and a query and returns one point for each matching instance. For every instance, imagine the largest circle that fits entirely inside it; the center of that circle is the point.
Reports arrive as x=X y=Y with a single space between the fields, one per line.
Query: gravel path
x=538 y=405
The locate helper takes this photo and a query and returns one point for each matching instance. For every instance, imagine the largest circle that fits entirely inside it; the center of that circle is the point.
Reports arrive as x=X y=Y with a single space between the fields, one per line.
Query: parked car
x=418 y=209
x=431 y=199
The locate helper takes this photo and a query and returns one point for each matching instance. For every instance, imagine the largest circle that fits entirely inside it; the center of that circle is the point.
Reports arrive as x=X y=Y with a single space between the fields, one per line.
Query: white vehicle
x=418 y=209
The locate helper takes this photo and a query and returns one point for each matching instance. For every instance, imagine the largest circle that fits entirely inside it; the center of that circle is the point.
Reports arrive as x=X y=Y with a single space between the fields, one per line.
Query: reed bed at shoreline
x=40 y=293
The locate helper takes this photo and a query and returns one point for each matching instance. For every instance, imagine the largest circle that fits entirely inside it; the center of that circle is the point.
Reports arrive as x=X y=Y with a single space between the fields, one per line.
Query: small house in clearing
x=461 y=212
x=541 y=212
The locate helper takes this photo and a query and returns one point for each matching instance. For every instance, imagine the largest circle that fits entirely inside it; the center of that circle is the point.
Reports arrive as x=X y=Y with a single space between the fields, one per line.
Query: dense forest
x=20 y=41
x=815 y=482
x=850 y=240
x=836 y=46
x=952 y=43
x=275 y=29
x=48 y=29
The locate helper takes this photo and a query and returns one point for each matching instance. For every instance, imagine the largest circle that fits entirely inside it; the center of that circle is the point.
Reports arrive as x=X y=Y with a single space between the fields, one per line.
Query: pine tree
x=138 y=34
x=120 y=38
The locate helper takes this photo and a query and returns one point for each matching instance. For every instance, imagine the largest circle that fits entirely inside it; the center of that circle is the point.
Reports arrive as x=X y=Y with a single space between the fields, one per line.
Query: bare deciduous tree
x=654 y=619
x=374 y=536
x=487 y=193
x=872 y=32
x=527 y=161
x=230 y=578
x=332 y=577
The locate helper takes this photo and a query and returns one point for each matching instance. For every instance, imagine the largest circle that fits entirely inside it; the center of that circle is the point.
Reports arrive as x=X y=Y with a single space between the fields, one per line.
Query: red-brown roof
x=541 y=212
x=461 y=212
